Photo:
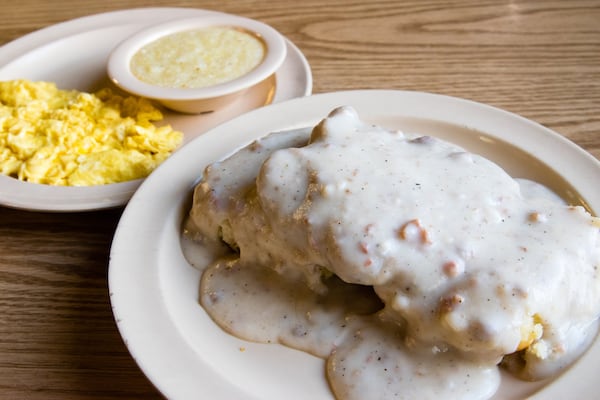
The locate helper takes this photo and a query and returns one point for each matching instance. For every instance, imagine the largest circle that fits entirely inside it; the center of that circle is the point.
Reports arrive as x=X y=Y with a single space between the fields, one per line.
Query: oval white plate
x=74 y=54
x=154 y=291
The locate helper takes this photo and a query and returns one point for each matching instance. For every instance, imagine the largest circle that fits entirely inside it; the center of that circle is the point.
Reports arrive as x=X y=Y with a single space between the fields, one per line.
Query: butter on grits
x=67 y=137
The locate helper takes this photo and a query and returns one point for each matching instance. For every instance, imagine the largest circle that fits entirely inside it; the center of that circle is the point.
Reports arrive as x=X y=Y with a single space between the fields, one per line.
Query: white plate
x=154 y=291
x=74 y=54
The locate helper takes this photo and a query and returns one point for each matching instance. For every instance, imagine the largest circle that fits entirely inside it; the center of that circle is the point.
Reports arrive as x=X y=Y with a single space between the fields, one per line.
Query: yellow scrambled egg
x=67 y=137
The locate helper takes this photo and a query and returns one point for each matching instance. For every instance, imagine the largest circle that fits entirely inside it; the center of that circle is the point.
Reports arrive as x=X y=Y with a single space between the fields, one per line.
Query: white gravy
x=412 y=266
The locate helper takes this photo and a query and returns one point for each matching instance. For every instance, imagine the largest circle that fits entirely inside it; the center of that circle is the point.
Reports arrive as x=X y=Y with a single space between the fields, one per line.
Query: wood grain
x=539 y=59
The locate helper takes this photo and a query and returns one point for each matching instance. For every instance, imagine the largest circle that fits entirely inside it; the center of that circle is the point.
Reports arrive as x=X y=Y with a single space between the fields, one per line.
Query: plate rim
x=29 y=196
x=126 y=261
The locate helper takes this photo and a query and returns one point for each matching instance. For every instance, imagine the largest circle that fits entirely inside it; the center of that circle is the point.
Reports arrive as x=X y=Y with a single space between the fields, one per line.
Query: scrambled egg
x=60 y=137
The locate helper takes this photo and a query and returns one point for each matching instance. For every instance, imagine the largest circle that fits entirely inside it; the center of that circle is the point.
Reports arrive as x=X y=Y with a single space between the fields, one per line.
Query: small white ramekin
x=196 y=100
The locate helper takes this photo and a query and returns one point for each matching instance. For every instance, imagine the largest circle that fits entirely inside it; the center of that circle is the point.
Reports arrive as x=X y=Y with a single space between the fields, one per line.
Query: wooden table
x=540 y=59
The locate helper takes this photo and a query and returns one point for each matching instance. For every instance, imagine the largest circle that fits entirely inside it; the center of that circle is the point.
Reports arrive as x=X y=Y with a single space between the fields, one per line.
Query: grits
x=66 y=137
x=199 y=58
